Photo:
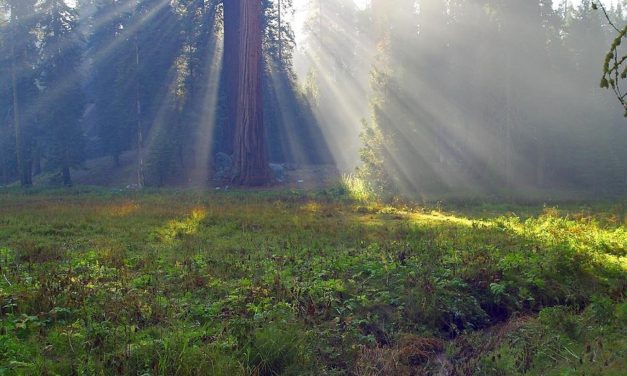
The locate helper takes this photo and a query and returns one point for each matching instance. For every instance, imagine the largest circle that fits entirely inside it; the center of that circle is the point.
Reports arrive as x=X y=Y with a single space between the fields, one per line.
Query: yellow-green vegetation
x=254 y=283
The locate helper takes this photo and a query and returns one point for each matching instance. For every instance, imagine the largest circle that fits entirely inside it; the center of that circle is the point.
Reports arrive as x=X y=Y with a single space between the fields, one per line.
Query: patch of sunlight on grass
x=583 y=235
x=121 y=210
x=613 y=260
x=177 y=228
x=377 y=215
x=311 y=207
x=438 y=217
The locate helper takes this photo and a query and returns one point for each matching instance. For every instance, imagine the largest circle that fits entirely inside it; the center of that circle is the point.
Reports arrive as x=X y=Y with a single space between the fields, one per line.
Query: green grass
x=102 y=282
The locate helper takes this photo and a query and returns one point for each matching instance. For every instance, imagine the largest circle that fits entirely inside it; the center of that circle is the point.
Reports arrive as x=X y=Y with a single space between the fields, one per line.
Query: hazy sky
x=363 y=3
x=360 y=3
x=301 y=5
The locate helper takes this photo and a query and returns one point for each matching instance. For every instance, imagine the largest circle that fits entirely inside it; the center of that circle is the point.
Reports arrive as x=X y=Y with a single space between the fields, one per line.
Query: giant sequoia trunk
x=230 y=71
x=250 y=155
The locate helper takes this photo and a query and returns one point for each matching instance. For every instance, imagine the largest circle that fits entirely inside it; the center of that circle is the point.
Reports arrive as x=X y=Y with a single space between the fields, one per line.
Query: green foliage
x=614 y=67
x=161 y=159
x=61 y=55
x=276 y=350
x=95 y=282
x=561 y=341
x=375 y=171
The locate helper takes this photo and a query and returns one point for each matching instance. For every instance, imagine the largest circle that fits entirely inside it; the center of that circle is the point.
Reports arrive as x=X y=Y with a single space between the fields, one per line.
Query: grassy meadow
x=98 y=282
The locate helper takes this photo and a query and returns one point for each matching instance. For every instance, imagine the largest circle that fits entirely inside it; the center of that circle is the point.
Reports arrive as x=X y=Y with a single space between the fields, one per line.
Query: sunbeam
x=344 y=104
x=437 y=135
x=199 y=174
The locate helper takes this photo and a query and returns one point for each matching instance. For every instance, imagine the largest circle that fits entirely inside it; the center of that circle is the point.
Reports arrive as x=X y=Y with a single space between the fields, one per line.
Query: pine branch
x=614 y=70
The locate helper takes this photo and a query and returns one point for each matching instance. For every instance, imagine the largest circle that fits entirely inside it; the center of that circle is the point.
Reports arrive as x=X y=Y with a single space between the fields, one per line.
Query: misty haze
x=313 y=187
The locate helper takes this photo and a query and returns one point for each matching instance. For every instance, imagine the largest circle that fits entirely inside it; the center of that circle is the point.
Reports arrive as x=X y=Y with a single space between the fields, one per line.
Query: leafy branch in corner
x=614 y=67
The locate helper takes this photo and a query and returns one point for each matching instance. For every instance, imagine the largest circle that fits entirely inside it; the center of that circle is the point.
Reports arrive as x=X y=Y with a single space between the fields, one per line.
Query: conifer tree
x=62 y=98
x=23 y=88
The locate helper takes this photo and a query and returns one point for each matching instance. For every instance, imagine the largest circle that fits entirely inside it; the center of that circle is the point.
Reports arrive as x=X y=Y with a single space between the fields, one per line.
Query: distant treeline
x=487 y=96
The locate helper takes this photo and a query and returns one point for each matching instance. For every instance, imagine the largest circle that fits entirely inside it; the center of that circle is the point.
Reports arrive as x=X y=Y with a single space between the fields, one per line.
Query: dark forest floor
x=102 y=172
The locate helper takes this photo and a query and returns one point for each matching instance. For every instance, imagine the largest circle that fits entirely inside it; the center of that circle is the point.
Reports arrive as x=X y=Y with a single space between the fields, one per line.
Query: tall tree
x=197 y=66
x=109 y=51
x=279 y=37
x=250 y=155
x=23 y=87
x=62 y=98
x=7 y=140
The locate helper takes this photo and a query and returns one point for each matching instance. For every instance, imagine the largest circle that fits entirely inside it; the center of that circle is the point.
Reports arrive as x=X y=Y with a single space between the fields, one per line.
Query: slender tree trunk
x=540 y=162
x=231 y=69
x=138 y=109
x=67 y=178
x=250 y=154
x=191 y=148
x=181 y=156
x=65 y=168
x=22 y=164
x=37 y=160
x=509 y=175
x=3 y=161
x=280 y=36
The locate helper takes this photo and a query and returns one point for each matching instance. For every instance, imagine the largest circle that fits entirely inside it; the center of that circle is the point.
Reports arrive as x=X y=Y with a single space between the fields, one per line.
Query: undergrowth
x=189 y=283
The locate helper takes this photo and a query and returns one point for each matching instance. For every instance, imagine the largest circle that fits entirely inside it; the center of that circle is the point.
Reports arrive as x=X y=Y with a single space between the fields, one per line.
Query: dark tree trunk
x=4 y=179
x=65 y=169
x=37 y=160
x=23 y=167
x=250 y=155
x=67 y=177
x=280 y=36
x=232 y=21
x=138 y=112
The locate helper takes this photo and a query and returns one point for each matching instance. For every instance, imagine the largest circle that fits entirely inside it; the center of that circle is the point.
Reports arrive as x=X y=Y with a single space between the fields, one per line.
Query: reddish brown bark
x=250 y=154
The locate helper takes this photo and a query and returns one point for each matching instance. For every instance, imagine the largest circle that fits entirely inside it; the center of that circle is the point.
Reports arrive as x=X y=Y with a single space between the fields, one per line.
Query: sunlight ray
x=344 y=142
x=150 y=16
x=199 y=174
